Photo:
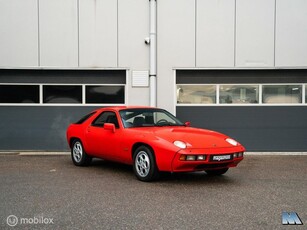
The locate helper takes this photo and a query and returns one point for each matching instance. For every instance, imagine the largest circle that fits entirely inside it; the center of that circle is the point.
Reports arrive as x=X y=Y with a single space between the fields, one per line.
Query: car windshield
x=148 y=117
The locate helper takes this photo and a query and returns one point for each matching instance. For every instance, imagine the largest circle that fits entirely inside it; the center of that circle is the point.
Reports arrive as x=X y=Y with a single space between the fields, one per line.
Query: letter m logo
x=291 y=218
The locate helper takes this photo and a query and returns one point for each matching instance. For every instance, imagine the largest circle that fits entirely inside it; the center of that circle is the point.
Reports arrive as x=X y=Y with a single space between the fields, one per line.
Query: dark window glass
x=105 y=94
x=106 y=117
x=83 y=119
x=148 y=117
x=19 y=94
x=70 y=94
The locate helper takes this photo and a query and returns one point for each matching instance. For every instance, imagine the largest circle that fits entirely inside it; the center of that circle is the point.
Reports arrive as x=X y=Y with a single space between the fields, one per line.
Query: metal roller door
x=264 y=124
x=36 y=106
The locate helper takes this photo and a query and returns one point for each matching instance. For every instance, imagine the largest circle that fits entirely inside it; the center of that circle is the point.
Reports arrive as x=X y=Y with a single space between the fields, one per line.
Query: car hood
x=193 y=137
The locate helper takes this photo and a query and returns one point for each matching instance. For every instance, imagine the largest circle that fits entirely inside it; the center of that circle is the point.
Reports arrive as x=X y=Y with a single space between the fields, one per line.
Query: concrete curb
x=9 y=153
x=276 y=153
x=44 y=153
x=41 y=153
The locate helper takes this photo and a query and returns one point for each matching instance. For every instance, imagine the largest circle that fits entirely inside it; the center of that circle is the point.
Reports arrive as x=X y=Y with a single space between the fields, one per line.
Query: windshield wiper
x=167 y=124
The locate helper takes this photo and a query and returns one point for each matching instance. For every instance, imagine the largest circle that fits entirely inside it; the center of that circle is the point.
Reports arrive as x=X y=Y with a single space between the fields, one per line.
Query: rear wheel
x=78 y=154
x=216 y=172
x=144 y=164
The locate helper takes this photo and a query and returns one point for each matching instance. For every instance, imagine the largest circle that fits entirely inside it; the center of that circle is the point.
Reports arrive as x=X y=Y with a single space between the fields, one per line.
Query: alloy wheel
x=77 y=152
x=142 y=163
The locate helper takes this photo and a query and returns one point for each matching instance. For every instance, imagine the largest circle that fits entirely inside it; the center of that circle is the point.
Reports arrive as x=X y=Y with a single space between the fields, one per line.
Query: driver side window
x=106 y=117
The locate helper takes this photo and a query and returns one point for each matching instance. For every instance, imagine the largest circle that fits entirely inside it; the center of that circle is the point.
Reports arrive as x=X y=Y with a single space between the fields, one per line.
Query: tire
x=78 y=154
x=144 y=164
x=216 y=172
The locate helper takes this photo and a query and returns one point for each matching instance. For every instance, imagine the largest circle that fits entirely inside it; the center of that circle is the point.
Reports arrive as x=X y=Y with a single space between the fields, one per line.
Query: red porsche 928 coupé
x=152 y=140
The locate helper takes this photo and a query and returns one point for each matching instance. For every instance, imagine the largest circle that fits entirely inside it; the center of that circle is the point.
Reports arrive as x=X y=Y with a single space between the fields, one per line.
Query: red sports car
x=152 y=140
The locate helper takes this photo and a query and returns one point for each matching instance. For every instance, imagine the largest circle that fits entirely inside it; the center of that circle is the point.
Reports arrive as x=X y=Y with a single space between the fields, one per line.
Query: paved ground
x=107 y=195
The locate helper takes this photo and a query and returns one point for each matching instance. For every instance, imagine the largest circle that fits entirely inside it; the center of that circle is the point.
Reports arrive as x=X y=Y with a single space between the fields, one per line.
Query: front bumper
x=210 y=162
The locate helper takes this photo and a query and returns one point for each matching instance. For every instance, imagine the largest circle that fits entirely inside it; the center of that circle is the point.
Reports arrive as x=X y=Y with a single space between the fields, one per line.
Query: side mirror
x=109 y=126
x=187 y=124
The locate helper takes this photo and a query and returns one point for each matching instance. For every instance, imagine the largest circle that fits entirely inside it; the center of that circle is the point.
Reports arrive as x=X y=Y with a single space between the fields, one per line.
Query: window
x=106 y=117
x=196 y=94
x=242 y=94
x=96 y=94
x=278 y=94
x=148 y=117
x=58 y=94
x=239 y=94
x=83 y=119
x=19 y=94
x=61 y=94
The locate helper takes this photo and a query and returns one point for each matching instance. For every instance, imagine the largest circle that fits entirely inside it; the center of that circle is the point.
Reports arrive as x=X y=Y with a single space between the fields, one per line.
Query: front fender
x=164 y=153
x=164 y=150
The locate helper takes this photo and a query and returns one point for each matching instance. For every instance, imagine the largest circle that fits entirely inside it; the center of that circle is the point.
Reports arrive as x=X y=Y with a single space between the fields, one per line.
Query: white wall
x=191 y=34
x=58 y=33
x=176 y=45
x=133 y=53
x=291 y=33
x=98 y=33
x=133 y=27
x=215 y=23
x=255 y=33
x=18 y=33
x=110 y=33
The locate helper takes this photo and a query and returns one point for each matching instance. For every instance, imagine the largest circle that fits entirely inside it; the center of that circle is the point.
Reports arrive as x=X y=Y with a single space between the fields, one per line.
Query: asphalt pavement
x=49 y=192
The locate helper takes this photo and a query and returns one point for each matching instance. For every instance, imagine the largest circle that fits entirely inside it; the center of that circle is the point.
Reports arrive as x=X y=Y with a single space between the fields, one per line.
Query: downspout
x=153 y=53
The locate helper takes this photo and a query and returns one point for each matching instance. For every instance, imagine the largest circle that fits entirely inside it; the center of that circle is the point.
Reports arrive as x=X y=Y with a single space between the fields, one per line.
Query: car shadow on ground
x=126 y=172
x=111 y=166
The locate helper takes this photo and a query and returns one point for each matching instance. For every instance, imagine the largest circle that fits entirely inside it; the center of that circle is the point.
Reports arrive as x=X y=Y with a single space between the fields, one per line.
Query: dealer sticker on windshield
x=221 y=157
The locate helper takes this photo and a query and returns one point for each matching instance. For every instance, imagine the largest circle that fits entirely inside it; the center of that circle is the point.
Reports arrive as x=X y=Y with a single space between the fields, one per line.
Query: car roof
x=117 y=108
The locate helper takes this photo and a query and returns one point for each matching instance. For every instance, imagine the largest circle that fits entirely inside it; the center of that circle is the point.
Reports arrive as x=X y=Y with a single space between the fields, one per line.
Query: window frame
x=101 y=126
x=85 y=118
x=215 y=86
x=260 y=99
x=83 y=103
x=46 y=90
x=37 y=90
x=100 y=85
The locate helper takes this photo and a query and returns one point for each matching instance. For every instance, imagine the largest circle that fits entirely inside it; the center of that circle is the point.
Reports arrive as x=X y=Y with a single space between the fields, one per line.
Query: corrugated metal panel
x=255 y=33
x=291 y=33
x=133 y=27
x=215 y=28
x=258 y=129
x=18 y=33
x=98 y=33
x=58 y=28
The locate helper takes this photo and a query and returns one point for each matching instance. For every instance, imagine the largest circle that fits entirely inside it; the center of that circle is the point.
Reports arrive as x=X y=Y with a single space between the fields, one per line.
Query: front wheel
x=78 y=154
x=216 y=172
x=144 y=164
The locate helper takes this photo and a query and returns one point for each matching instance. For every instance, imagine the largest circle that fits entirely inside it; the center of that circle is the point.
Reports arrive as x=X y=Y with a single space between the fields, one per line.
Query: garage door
x=36 y=106
x=265 y=110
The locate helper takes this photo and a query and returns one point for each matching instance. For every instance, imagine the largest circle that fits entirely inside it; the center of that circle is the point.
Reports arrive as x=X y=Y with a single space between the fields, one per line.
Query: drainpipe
x=153 y=52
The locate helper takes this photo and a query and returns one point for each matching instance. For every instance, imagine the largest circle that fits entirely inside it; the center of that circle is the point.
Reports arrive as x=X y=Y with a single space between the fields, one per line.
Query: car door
x=103 y=142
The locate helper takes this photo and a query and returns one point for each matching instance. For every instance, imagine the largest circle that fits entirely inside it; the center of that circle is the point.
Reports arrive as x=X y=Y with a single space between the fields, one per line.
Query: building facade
x=235 y=66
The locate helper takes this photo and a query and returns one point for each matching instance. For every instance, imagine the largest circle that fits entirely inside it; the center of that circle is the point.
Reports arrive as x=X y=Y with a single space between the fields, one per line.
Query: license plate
x=221 y=157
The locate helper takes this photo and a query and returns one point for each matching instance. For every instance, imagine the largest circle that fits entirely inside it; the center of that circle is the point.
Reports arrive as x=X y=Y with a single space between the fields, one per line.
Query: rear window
x=83 y=119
